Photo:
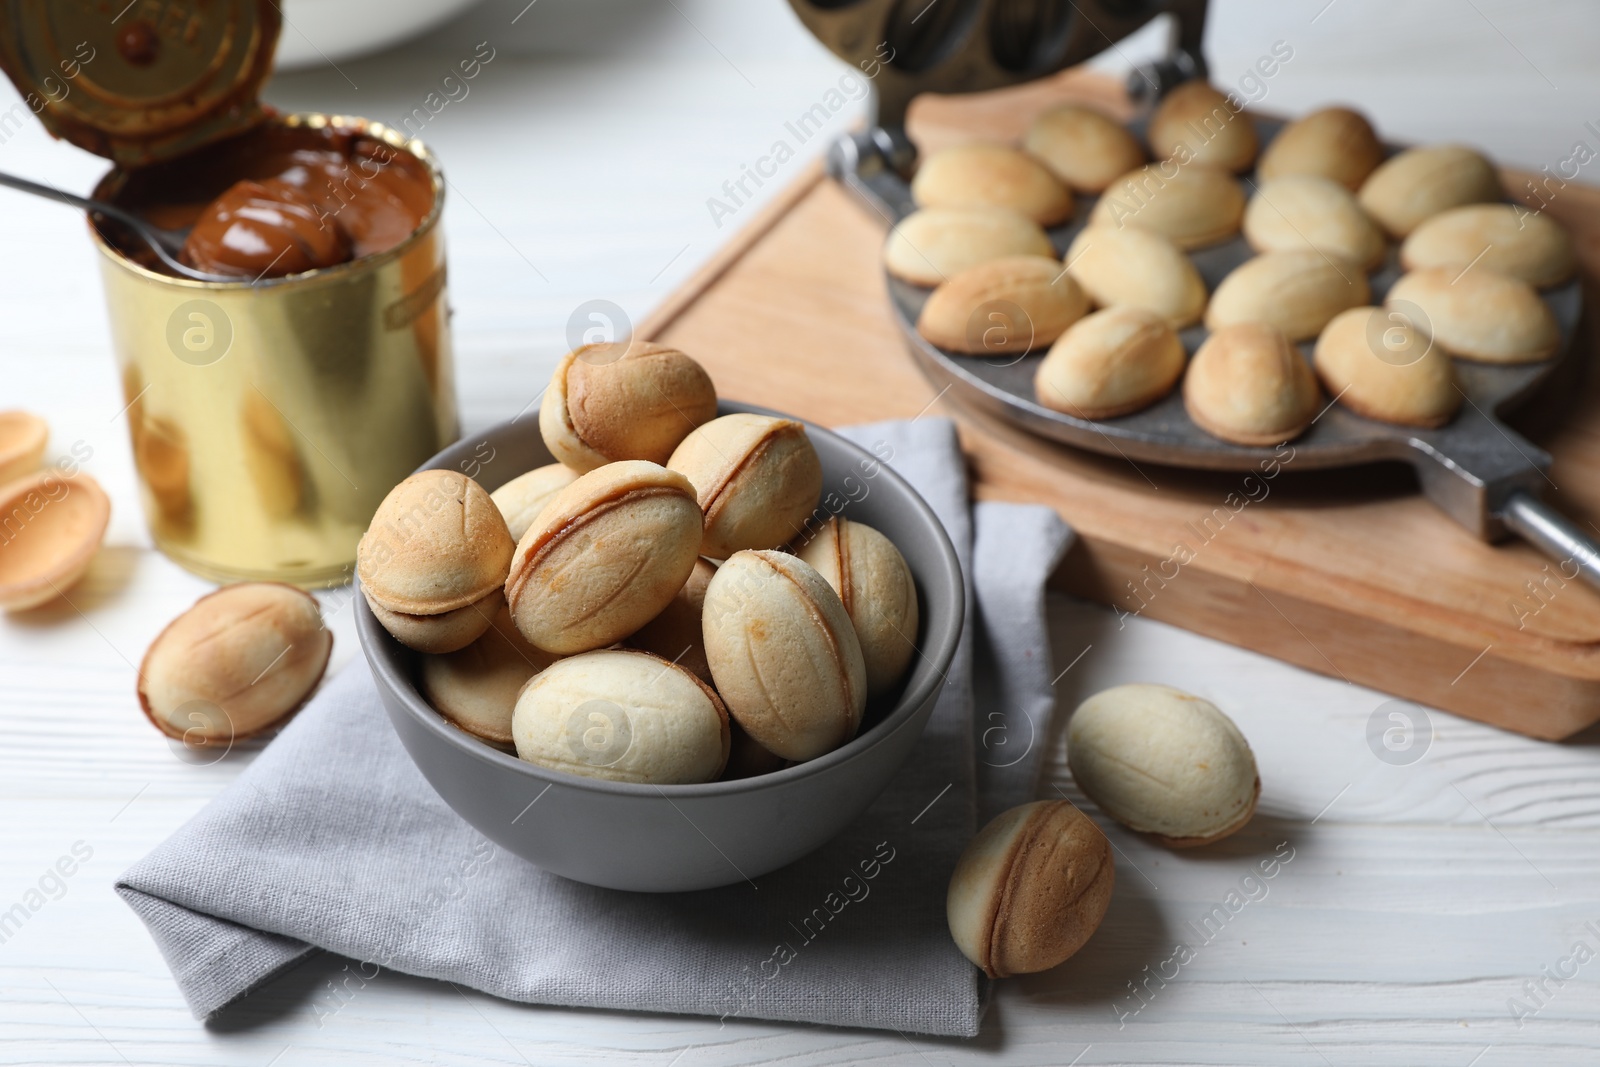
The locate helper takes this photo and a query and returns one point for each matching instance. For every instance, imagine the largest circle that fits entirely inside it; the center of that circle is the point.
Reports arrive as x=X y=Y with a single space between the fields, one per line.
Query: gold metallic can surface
x=269 y=418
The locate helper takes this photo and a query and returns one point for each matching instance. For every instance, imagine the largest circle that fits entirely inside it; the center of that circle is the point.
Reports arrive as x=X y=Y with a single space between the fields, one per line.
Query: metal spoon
x=164 y=243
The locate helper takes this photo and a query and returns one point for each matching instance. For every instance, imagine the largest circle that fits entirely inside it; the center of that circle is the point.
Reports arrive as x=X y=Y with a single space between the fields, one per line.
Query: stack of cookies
x=666 y=604
x=1321 y=206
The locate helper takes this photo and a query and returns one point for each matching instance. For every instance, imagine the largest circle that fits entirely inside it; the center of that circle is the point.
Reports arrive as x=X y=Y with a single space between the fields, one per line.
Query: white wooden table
x=1424 y=894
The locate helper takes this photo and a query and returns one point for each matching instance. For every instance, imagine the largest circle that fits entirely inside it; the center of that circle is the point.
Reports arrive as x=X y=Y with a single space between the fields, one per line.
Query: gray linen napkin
x=1012 y=672
x=333 y=840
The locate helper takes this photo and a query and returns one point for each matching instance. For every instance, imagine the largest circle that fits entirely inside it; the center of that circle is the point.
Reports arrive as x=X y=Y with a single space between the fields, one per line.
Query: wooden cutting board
x=1352 y=574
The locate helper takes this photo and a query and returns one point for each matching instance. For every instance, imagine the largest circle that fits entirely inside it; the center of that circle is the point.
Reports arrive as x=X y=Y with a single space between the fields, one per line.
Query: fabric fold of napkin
x=333 y=840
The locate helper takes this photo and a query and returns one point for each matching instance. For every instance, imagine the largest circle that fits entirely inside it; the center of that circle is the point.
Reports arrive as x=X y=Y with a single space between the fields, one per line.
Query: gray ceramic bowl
x=679 y=837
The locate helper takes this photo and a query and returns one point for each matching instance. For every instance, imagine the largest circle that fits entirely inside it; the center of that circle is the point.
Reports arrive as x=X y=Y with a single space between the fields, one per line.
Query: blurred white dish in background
x=317 y=31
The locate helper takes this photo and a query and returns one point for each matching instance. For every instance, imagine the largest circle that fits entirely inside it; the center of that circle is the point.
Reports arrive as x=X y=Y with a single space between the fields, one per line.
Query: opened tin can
x=270 y=415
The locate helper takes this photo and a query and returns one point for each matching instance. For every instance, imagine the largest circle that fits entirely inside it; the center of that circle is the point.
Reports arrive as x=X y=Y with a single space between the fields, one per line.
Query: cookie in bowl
x=522 y=498
x=784 y=654
x=877 y=591
x=674 y=634
x=623 y=400
x=476 y=687
x=604 y=557
x=757 y=479
x=624 y=716
x=433 y=561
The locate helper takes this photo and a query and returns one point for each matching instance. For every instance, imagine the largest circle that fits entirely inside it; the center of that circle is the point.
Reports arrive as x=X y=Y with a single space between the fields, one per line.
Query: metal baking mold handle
x=1555 y=534
x=863 y=163
x=1490 y=483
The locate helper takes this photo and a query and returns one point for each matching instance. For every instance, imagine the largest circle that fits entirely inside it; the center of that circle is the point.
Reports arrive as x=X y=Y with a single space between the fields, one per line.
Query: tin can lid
x=138 y=81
